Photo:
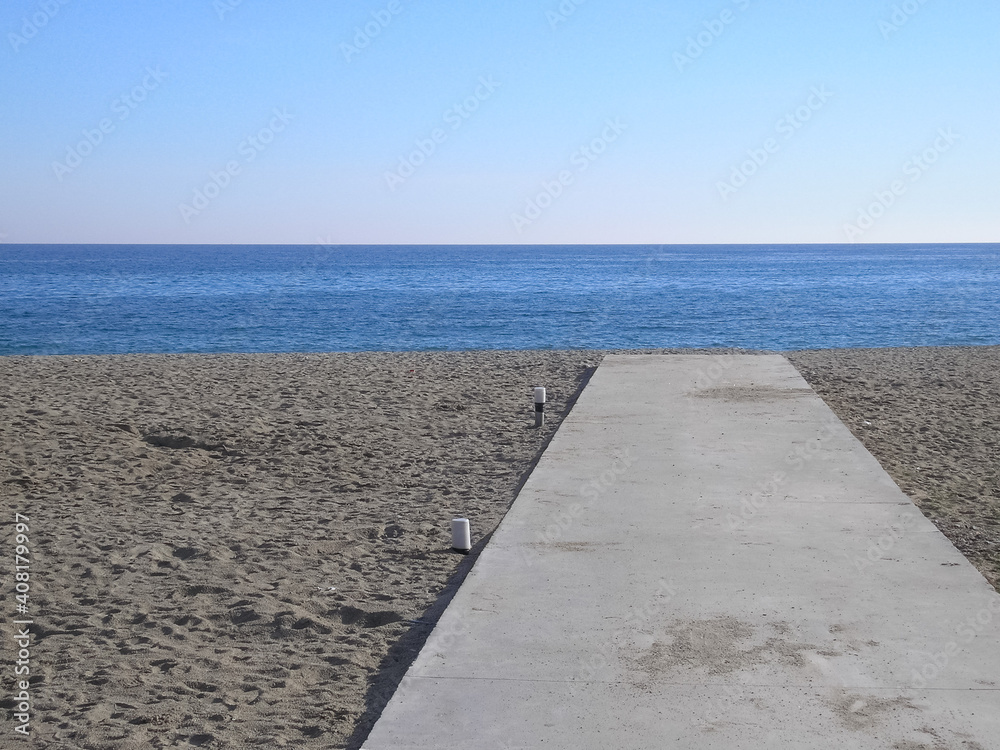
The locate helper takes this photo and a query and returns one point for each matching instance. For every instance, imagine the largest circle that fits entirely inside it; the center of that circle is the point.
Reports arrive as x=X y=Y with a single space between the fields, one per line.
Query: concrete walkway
x=705 y=557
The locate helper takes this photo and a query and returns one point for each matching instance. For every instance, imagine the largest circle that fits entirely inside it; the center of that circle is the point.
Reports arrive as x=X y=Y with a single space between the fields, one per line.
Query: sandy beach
x=247 y=550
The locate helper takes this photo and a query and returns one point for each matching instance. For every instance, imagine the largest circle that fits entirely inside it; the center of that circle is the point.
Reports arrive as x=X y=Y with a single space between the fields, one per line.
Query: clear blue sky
x=611 y=123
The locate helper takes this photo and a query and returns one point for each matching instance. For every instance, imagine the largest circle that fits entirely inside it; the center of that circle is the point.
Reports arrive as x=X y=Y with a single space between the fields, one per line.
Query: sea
x=112 y=299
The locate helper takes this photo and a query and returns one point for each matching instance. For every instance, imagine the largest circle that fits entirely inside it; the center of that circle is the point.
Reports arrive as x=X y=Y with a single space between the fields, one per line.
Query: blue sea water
x=99 y=299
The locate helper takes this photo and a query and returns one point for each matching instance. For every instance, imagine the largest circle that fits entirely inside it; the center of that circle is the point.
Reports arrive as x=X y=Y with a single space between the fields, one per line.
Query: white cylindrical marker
x=461 y=538
x=539 y=406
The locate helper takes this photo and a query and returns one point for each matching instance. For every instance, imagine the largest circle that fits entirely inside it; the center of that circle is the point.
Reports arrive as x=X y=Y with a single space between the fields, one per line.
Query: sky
x=515 y=122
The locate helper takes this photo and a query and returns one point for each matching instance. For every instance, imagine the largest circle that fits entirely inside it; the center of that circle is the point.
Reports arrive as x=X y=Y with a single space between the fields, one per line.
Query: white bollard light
x=539 y=406
x=461 y=538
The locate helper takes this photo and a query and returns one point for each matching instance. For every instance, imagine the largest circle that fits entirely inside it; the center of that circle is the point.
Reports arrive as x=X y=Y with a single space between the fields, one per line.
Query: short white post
x=539 y=406
x=461 y=538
